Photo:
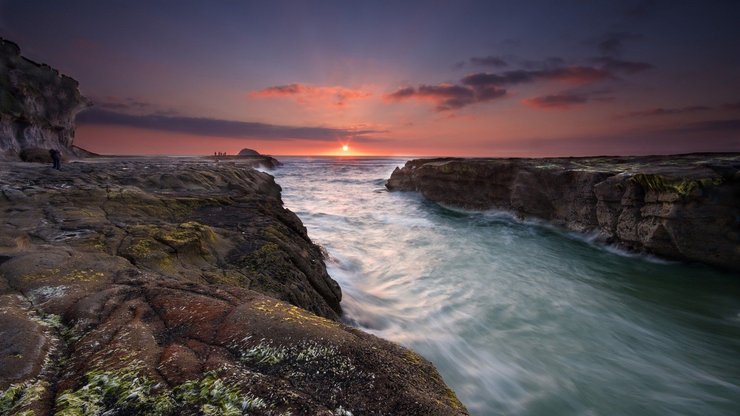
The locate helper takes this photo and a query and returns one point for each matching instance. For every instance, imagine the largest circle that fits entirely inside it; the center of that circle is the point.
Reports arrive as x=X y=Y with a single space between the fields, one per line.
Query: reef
x=682 y=207
x=174 y=286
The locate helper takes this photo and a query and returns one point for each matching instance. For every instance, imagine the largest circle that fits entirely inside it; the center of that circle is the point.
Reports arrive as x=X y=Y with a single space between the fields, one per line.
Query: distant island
x=268 y=162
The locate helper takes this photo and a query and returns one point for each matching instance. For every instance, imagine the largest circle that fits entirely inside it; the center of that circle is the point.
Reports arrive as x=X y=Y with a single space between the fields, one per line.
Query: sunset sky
x=488 y=78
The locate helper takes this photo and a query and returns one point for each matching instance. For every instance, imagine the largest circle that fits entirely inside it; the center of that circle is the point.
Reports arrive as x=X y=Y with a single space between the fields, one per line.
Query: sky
x=431 y=78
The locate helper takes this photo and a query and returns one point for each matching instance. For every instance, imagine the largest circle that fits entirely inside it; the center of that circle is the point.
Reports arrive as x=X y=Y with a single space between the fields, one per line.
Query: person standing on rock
x=56 y=157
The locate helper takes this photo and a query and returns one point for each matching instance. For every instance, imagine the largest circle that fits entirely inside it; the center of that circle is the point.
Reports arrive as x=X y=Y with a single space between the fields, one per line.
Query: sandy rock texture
x=180 y=287
x=683 y=207
x=38 y=106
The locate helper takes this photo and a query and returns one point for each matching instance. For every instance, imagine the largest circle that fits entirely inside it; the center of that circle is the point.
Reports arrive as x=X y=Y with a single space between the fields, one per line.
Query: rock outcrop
x=248 y=152
x=180 y=287
x=38 y=106
x=253 y=157
x=683 y=207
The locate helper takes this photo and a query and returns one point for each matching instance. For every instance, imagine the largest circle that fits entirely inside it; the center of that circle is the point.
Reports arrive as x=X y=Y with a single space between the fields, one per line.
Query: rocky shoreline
x=180 y=286
x=681 y=207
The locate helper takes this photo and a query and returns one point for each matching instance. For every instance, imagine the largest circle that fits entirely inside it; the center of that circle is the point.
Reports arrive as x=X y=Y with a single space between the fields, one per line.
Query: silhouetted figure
x=56 y=157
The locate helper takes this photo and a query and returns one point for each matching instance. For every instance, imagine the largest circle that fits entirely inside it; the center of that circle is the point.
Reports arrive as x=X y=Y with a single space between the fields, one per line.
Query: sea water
x=518 y=317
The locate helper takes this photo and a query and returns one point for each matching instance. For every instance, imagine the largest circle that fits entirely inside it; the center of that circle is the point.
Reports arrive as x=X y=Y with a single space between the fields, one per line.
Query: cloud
x=493 y=61
x=130 y=105
x=613 y=43
x=458 y=65
x=547 y=63
x=221 y=128
x=448 y=96
x=309 y=94
x=120 y=103
x=642 y=8
x=569 y=74
x=667 y=111
x=555 y=101
x=731 y=106
x=486 y=86
x=726 y=125
x=619 y=65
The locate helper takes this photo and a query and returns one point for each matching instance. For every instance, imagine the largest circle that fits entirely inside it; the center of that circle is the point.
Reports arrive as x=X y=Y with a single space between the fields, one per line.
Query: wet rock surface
x=180 y=286
x=682 y=207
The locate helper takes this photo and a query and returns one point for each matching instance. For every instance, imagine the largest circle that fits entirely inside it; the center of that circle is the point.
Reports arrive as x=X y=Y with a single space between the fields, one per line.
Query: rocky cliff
x=683 y=207
x=180 y=287
x=37 y=107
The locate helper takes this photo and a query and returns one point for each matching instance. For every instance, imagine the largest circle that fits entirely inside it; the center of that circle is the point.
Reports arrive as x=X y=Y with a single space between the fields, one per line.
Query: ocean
x=520 y=318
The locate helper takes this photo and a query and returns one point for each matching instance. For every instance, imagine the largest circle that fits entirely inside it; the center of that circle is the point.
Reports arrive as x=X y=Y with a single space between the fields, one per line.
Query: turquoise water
x=520 y=318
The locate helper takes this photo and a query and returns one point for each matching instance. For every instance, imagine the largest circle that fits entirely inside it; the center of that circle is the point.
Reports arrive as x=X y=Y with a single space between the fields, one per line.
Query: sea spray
x=520 y=317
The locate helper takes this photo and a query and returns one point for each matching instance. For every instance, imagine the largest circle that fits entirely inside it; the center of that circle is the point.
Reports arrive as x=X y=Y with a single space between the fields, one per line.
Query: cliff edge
x=37 y=107
x=682 y=207
x=177 y=286
x=169 y=286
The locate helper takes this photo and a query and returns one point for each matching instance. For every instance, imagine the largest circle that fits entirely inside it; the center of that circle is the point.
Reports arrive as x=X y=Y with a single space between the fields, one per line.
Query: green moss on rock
x=121 y=390
x=16 y=399
x=127 y=391
x=211 y=395
x=679 y=186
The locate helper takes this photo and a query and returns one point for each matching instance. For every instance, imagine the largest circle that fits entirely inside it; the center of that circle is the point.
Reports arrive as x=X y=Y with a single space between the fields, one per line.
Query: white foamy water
x=520 y=318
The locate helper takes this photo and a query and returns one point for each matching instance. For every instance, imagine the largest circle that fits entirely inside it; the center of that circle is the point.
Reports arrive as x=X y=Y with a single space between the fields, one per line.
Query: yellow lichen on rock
x=56 y=274
x=289 y=313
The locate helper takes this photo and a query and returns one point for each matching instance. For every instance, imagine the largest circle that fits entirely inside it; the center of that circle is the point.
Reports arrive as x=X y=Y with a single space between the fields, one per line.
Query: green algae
x=268 y=259
x=22 y=395
x=264 y=353
x=187 y=235
x=213 y=396
x=302 y=360
x=123 y=391
x=127 y=391
x=143 y=248
x=680 y=186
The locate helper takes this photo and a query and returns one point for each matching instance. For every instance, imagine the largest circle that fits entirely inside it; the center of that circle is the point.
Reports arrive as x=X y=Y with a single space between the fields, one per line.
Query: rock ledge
x=682 y=207
x=180 y=287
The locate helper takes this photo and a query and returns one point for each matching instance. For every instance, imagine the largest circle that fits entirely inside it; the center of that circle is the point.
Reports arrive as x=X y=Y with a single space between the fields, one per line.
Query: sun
x=345 y=148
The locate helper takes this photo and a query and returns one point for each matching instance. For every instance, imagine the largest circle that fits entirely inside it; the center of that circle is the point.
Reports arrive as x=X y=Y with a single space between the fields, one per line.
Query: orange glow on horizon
x=116 y=140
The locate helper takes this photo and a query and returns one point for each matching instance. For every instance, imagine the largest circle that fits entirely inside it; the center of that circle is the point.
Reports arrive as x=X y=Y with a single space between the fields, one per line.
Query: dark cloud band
x=220 y=128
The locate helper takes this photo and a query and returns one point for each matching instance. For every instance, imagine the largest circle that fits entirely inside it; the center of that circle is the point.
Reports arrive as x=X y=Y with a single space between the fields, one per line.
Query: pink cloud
x=447 y=96
x=555 y=101
x=310 y=94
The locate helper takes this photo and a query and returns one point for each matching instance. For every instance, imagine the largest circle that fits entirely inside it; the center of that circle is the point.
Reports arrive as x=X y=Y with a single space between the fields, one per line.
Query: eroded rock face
x=37 y=107
x=160 y=286
x=681 y=207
